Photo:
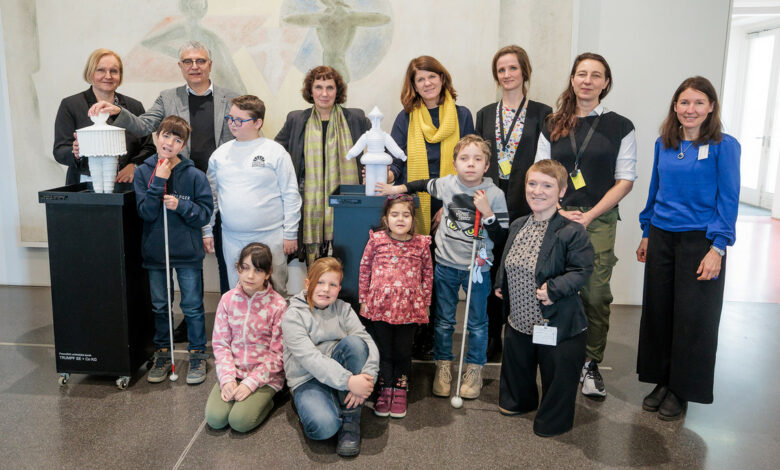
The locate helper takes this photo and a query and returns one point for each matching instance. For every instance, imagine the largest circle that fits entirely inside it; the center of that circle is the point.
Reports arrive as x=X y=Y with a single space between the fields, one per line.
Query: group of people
x=546 y=185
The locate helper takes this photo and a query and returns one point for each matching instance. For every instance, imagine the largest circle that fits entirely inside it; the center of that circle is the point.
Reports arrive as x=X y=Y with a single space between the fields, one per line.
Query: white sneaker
x=584 y=371
x=593 y=383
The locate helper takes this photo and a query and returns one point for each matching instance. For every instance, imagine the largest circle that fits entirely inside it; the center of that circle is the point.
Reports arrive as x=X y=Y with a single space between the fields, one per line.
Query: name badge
x=545 y=335
x=577 y=180
x=505 y=166
x=704 y=152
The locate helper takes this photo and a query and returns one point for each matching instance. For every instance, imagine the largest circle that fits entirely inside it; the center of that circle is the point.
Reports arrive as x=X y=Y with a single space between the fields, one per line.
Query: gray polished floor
x=89 y=423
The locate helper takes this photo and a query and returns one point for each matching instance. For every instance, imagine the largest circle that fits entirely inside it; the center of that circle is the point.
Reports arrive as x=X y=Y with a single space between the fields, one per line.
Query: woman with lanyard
x=511 y=127
x=688 y=221
x=104 y=74
x=318 y=140
x=427 y=130
x=598 y=149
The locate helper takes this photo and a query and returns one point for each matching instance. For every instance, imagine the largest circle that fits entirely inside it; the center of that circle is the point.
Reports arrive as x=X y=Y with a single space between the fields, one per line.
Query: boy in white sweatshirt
x=254 y=186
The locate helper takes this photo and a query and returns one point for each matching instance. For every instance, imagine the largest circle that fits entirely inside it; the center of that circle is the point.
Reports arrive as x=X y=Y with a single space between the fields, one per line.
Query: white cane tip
x=174 y=377
x=456 y=402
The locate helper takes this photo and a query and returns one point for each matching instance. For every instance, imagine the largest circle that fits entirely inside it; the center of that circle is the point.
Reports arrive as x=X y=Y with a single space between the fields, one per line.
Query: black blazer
x=565 y=263
x=292 y=134
x=524 y=157
x=72 y=115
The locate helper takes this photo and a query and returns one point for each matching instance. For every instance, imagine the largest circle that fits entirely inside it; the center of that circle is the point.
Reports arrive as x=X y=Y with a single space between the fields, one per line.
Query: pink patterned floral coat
x=247 y=338
x=396 y=279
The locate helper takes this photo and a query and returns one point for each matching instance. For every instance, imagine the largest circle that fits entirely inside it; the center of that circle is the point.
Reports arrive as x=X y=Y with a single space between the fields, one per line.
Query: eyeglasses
x=236 y=121
x=189 y=62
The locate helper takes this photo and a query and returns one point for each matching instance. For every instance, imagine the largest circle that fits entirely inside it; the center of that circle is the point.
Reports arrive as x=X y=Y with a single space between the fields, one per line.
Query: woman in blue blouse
x=687 y=223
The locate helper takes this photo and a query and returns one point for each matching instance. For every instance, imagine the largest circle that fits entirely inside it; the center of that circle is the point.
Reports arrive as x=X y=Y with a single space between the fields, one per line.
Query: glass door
x=760 y=119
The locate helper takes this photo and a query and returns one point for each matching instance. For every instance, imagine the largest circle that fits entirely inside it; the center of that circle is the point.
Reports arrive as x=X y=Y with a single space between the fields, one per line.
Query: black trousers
x=678 y=333
x=559 y=367
x=224 y=285
x=395 y=350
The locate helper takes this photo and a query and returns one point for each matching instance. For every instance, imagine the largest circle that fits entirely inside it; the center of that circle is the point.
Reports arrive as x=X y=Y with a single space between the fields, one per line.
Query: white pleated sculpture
x=102 y=144
x=374 y=142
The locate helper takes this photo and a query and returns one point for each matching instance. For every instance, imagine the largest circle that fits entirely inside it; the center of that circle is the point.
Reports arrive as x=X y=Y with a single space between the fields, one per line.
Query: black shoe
x=672 y=408
x=494 y=349
x=180 y=333
x=655 y=398
x=349 y=435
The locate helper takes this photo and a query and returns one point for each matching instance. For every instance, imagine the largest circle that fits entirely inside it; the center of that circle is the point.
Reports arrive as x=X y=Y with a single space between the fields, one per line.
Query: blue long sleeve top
x=696 y=192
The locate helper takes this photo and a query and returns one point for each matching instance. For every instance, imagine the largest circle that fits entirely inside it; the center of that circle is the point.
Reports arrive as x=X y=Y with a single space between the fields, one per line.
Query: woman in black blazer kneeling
x=547 y=259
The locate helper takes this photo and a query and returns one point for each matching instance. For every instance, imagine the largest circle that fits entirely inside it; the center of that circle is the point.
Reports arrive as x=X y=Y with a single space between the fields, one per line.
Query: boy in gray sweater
x=462 y=195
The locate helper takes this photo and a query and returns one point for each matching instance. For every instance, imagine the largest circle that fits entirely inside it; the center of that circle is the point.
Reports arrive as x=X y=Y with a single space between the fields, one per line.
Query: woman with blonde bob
x=330 y=361
x=104 y=73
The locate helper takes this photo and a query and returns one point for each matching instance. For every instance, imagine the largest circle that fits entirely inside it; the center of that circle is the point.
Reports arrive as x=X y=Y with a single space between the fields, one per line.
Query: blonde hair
x=316 y=270
x=469 y=139
x=92 y=63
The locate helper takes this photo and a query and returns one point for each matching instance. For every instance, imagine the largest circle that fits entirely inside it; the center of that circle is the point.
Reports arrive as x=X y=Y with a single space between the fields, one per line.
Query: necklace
x=681 y=155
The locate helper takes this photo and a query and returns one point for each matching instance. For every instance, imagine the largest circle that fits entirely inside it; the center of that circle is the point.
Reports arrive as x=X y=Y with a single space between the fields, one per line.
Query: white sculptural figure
x=102 y=144
x=374 y=142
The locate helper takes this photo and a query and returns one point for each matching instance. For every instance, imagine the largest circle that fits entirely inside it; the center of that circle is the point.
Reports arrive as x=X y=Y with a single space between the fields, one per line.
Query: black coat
x=524 y=157
x=72 y=115
x=565 y=263
x=293 y=140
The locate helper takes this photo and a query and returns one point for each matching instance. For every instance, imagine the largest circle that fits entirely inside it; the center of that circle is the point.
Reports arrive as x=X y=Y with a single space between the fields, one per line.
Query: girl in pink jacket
x=247 y=343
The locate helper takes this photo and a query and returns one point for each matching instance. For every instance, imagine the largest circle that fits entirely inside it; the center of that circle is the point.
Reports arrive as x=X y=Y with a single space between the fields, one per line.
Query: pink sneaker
x=384 y=402
x=398 y=408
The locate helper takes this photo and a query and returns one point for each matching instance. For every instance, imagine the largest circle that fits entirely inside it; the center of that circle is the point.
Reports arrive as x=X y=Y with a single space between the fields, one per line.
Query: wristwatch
x=718 y=250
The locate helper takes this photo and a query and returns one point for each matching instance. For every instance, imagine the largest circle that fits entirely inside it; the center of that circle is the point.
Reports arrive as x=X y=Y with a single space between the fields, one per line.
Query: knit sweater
x=695 y=193
x=254 y=188
x=247 y=338
x=311 y=335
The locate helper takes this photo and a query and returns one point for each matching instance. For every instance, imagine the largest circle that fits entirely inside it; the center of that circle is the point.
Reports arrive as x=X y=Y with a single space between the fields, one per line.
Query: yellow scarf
x=421 y=129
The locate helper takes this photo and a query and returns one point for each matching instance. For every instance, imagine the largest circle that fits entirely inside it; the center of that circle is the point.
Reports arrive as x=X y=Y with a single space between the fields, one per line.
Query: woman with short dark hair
x=318 y=140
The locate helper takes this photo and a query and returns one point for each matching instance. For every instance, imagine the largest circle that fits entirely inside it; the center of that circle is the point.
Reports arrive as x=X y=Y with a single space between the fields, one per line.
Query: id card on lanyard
x=577 y=180
x=505 y=164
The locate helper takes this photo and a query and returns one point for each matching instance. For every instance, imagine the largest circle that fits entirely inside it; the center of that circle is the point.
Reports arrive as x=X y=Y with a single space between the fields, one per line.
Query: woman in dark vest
x=598 y=149
x=318 y=139
x=511 y=127
x=103 y=72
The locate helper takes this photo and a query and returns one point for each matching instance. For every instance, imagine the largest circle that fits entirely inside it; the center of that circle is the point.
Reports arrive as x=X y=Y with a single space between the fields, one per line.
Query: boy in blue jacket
x=165 y=181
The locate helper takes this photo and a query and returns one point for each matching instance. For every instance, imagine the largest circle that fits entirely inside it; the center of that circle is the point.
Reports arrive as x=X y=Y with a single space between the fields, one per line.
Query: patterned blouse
x=396 y=279
x=524 y=310
x=505 y=116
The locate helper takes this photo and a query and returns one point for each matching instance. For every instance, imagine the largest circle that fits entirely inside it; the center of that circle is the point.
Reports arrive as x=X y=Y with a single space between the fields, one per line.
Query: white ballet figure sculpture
x=102 y=144
x=374 y=142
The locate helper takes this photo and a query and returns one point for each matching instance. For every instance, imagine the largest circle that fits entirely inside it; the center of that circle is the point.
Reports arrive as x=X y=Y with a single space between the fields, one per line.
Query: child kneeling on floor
x=247 y=342
x=330 y=361
x=462 y=194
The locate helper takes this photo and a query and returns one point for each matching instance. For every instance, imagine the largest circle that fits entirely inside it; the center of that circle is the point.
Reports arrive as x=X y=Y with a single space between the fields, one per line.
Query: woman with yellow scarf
x=427 y=130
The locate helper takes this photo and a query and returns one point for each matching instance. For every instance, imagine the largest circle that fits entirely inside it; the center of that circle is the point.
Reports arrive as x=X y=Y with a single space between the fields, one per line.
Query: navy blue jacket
x=184 y=224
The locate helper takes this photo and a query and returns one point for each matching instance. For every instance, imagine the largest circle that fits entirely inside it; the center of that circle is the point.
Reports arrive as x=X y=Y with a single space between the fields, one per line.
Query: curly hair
x=323 y=72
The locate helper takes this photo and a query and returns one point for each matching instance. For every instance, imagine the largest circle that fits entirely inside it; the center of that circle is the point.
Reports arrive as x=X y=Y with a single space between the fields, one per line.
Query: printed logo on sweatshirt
x=258 y=161
x=183 y=197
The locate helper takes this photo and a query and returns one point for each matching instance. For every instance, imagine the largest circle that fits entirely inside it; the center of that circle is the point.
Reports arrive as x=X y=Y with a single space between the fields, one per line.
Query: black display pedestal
x=354 y=214
x=103 y=323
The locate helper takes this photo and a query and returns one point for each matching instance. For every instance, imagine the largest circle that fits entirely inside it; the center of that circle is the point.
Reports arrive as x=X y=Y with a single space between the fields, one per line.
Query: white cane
x=457 y=401
x=173 y=375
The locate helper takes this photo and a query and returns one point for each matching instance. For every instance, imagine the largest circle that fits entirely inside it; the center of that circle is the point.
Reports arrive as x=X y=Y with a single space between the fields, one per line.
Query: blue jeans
x=447 y=282
x=319 y=406
x=191 y=287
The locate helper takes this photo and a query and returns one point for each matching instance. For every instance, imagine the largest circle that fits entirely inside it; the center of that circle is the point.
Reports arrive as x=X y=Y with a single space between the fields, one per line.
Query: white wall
x=18 y=265
x=651 y=48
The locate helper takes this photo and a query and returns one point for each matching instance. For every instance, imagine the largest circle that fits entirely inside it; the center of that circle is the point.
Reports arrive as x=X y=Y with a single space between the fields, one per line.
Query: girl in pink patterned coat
x=396 y=279
x=247 y=344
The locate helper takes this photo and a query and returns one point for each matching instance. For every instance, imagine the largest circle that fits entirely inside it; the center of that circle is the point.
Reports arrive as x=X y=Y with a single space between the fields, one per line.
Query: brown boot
x=442 y=381
x=471 y=383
